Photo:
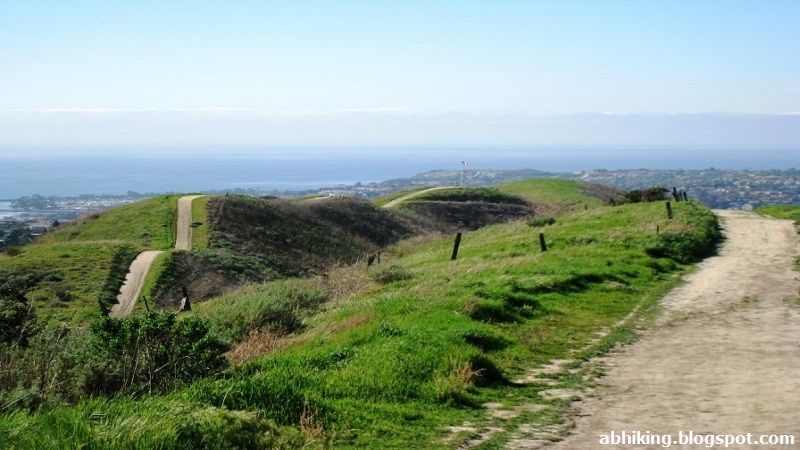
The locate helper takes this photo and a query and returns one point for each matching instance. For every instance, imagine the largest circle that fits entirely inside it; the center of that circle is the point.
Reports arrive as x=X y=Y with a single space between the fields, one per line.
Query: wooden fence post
x=669 y=211
x=103 y=308
x=542 y=243
x=185 y=305
x=455 y=247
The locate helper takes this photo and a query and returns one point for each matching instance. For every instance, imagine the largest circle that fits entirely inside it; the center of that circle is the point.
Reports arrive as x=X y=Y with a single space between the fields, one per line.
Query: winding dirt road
x=137 y=272
x=414 y=194
x=723 y=358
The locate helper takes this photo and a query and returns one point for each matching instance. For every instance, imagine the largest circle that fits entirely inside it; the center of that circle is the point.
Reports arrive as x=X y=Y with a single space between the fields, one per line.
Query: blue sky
x=718 y=73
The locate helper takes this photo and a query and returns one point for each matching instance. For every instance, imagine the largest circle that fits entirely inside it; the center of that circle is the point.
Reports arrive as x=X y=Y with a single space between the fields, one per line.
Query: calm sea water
x=71 y=171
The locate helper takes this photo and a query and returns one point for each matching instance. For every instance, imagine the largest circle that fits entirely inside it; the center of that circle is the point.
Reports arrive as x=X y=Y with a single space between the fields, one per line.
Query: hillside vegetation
x=415 y=351
x=68 y=271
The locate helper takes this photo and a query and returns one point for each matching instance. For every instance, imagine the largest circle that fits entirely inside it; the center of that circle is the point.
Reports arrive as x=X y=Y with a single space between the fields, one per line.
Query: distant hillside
x=559 y=195
x=250 y=240
x=458 y=209
x=256 y=239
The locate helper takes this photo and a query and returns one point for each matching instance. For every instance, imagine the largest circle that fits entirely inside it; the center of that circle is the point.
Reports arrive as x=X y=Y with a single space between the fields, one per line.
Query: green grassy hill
x=416 y=351
x=69 y=270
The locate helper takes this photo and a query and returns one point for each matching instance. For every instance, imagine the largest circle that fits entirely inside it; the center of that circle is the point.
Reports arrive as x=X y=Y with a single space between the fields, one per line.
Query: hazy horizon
x=432 y=73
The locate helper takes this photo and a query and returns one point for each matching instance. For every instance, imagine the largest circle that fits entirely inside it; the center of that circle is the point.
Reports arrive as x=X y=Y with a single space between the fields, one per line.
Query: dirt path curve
x=414 y=194
x=134 y=280
x=724 y=357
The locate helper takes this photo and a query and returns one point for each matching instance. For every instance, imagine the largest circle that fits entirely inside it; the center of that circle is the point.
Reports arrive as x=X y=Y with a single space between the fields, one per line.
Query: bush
x=157 y=352
x=541 y=222
x=16 y=315
x=698 y=240
x=652 y=194
x=279 y=306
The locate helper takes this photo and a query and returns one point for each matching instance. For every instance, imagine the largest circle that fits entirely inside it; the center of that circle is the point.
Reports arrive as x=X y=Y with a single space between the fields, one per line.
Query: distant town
x=26 y=217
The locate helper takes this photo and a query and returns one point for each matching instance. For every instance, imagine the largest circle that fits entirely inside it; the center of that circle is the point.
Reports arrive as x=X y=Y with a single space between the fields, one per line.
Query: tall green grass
x=163 y=423
x=200 y=222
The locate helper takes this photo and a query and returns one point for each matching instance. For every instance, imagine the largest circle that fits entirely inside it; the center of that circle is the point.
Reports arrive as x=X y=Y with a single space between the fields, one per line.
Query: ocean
x=72 y=171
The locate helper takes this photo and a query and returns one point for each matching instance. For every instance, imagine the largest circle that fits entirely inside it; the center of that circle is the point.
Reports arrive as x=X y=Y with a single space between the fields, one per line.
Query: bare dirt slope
x=724 y=357
x=134 y=280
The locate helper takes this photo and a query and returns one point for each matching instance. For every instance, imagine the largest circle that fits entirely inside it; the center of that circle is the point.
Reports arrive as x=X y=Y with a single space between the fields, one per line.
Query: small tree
x=652 y=194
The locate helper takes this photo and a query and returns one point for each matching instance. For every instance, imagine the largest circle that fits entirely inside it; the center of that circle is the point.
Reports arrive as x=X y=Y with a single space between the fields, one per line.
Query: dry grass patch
x=258 y=343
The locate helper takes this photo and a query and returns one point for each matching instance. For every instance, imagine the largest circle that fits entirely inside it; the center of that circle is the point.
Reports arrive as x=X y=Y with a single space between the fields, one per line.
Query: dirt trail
x=134 y=280
x=183 y=239
x=132 y=286
x=412 y=195
x=724 y=357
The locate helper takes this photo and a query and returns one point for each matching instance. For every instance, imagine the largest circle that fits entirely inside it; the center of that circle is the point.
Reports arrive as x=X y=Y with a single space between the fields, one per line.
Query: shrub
x=541 y=222
x=698 y=240
x=652 y=194
x=16 y=315
x=279 y=306
x=156 y=352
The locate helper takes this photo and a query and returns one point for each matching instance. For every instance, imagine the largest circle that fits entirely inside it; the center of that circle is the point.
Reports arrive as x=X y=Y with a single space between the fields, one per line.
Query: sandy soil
x=723 y=358
x=134 y=280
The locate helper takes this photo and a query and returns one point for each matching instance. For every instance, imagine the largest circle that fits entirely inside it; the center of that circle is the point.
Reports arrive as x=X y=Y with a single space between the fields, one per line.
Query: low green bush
x=541 y=222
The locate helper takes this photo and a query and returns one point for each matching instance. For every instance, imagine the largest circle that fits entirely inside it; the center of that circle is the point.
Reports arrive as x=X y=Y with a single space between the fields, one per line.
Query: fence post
x=145 y=303
x=542 y=243
x=669 y=211
x=185 y=305
x=103 y=308
x=455 y=247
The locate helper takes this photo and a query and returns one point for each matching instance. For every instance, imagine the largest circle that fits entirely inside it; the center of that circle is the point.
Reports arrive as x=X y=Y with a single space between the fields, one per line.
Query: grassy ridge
x=558 y=191
x=149 y=224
